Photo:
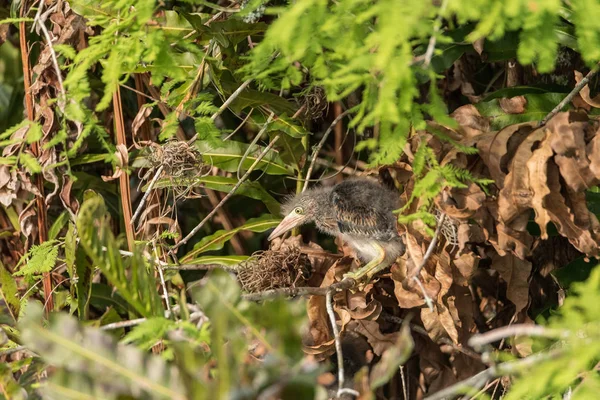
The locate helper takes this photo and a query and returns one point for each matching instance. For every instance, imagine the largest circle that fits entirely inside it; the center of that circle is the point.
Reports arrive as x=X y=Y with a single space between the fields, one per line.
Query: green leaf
x=117 y=370
x=253 y=190
x=229 y=154
x=34 y=133
x=58 y=224
x=30 y=162
x=10 y=295
x=102 y=297
x=219 y=238
x=226 y=261
x=146 y=334
x=251 y=98
x=136 y=284
x=537 y=107
x=286 y=125
x=41 y=258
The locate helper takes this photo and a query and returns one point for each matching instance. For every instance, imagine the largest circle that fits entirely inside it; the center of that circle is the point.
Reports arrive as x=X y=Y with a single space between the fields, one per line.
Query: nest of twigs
x=315 y=103
x=273 y=269
x=178 y=159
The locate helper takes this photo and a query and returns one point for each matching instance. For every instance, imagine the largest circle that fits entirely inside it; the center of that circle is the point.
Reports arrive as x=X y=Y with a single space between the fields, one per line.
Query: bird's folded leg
x=372 y=267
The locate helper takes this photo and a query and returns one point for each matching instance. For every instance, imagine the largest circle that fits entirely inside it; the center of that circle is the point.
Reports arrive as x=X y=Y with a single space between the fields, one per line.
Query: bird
x=360 y=211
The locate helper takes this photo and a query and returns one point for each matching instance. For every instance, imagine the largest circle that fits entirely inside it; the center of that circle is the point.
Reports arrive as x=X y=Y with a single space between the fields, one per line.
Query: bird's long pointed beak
x=289 y=222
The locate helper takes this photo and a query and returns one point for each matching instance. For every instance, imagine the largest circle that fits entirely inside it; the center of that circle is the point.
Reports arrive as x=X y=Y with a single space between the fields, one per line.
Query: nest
x=273 y=269
x=315 y=103
x=182 y=164
x=178 y=159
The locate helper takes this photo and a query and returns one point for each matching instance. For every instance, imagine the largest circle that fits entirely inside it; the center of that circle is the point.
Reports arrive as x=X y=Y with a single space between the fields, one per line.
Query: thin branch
x=432 y=245
x=122 y=324
x=300 y=291
x=231 y=98
x=433 y=39
x=428 y=253
x=138 y=210
x=570 y=96
x=162 y=281
x=338 y=345
x=478 y=341
x=253 y=143
x=428 y=300
x=319 y=146
x=477 y=381
x=197 y=267
x=224 y=200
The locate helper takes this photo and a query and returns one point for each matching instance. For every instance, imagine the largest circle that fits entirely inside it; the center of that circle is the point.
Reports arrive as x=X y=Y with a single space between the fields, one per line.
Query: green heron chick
x=358 y=210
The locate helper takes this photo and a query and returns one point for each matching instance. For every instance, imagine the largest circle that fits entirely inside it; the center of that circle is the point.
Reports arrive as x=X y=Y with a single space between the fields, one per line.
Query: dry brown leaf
x=515 y=272
x=513 y=105
x=69 y=202
x=379 y=342
x=493 y=148
x=585 y=92
x=478 y=45
x=537 y=167
x=568 y=143
x=122 y=157
x=141 y=117
x=470 y=121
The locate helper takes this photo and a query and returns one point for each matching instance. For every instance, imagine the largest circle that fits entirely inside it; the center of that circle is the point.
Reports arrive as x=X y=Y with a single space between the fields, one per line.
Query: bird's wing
x=358 y=214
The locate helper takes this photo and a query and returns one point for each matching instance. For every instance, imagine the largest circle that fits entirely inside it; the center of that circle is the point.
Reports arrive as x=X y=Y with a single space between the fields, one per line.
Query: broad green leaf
x=537 y=107
x=58 y=224
x=251 y=98
x=219 y=238
x=287 y=126
x=102 y=296
x=230 y=153
x=253 y=190
x=117 y=370
x=226 y=261
x=89 y=159
x=10 y=295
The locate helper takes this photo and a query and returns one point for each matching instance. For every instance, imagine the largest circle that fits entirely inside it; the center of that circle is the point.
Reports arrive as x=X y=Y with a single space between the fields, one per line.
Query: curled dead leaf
x=513 y=105
x=585 y=92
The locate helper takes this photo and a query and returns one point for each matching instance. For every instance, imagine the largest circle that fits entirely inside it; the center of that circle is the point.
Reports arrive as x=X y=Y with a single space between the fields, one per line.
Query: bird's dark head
x=301 y=209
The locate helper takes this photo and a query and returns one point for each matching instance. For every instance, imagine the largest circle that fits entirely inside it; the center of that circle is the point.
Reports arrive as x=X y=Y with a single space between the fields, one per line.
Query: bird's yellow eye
x=298 y=210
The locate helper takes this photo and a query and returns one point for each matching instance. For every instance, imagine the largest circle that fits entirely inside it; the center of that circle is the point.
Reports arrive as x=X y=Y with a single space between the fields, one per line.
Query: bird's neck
x=324 y=217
